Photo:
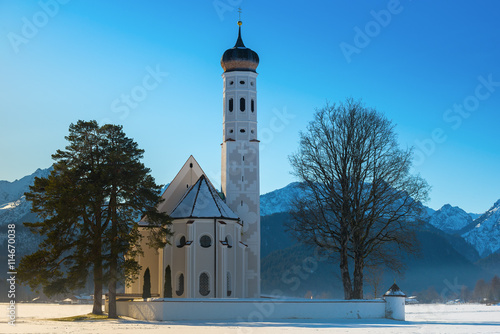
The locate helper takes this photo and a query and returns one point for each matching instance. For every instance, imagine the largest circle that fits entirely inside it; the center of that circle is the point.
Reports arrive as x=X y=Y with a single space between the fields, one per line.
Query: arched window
x=231 y=104
x=252 y=105
x=229 y=241
x=205 y=241
x=181 y=242
x=179 y=291
x=204 y=284
x=228 y=282
x=242 y=104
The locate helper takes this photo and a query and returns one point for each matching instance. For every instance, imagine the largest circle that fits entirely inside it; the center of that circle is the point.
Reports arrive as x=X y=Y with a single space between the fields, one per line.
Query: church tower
x=240 y=152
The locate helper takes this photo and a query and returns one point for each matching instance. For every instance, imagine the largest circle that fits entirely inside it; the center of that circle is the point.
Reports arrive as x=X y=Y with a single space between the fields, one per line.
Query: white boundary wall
x=251 y=309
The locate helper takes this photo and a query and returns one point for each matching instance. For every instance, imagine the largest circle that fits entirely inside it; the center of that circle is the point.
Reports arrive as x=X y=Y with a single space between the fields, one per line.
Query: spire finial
x=239 y=41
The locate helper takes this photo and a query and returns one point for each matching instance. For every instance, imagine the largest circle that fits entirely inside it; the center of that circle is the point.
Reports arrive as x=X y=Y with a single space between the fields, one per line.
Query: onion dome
x=239 y=58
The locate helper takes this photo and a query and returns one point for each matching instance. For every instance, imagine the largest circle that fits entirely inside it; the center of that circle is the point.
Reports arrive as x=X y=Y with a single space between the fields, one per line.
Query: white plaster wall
x=177 y=257
x=205 y=261
x=251 y=309
x=395 y=307
x=151 y=259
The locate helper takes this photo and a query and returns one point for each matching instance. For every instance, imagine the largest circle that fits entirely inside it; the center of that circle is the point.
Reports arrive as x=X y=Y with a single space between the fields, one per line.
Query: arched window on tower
x=252 y=105
x=204 y=284
x=242 y=104
x=231 y=104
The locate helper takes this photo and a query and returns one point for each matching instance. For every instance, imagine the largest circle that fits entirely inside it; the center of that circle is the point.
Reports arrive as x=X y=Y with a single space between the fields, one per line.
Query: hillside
x=297 y=269
x=490 y=263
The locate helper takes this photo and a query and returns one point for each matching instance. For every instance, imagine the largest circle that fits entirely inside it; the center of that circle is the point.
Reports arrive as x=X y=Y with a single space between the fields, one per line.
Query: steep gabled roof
x=185 y=178
x=202 y=201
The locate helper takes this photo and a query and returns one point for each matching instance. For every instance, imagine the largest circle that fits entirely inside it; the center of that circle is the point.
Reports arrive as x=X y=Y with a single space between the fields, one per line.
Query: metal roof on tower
x=239 y=58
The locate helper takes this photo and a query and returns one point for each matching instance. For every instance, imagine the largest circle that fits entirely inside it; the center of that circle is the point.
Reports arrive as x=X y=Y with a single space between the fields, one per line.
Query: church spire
x=239 y=57
x=239 y=41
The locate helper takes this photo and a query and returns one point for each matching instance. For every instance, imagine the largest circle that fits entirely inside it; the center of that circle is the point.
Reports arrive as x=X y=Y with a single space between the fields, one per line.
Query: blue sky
x=432 y=67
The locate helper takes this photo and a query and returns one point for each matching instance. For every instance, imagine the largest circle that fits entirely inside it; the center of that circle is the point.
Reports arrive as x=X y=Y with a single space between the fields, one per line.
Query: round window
x=205 y=241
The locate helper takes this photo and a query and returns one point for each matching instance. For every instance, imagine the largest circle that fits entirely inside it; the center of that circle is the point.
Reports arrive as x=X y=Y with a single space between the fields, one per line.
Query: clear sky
x=432 y=67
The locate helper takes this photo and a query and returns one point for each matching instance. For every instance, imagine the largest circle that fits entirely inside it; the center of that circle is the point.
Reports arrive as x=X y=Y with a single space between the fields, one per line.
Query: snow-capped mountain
x=474 y=216
x=13 y=205
x=450 y=219
x=13 y=191
x=485 y=236
x=279 y=199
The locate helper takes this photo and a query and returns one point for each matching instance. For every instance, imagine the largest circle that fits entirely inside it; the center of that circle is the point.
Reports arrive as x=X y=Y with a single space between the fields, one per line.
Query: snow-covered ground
x=32 y=318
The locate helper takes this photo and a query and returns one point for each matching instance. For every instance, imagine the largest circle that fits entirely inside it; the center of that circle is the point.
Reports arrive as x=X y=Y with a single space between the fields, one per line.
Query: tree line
x=483 y=292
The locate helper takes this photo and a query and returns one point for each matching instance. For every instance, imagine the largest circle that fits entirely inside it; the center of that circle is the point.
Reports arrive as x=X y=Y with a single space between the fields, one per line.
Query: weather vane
x=239 y=14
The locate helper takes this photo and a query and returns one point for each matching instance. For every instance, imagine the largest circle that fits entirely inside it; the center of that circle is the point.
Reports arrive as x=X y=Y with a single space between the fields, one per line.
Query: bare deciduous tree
x=362 y=202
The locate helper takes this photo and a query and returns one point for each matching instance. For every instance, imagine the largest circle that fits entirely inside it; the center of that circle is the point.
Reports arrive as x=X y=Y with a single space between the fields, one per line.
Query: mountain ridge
x=485 y=235
x=482 y=233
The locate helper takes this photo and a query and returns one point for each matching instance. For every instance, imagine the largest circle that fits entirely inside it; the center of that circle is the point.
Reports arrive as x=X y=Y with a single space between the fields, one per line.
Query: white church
x=215 y=248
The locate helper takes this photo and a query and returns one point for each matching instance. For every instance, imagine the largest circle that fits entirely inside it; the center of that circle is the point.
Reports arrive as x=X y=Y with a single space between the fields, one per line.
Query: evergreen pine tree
x=89 y=208
x=146 y=287
x=167 y=289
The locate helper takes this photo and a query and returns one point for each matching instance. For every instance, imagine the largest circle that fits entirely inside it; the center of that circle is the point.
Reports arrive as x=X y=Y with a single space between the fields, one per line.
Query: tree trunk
x=359 y=264
x=344 y=270
x=113 y=262
x=97 y=261
x=112 y=291
x=97 y=309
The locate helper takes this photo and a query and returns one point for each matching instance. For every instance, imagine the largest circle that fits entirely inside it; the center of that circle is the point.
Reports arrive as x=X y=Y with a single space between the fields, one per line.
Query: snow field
x=32 y=318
